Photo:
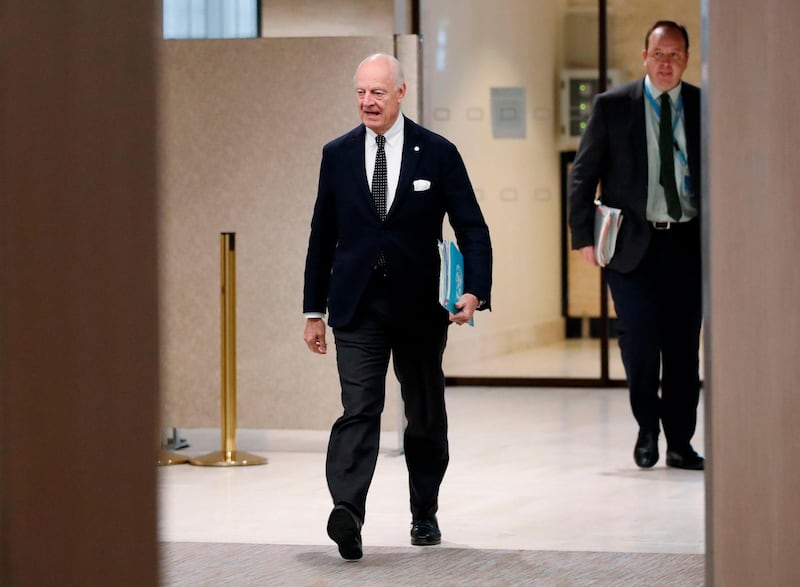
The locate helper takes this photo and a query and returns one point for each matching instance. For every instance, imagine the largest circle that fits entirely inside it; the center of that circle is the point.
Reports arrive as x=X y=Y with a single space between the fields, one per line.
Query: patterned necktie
x=379 y=178
x=666 y=143
x=379 y=182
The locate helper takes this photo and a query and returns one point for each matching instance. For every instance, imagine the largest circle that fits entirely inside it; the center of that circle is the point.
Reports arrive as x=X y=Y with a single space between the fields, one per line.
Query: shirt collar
x=392 y=134
x=674 y=93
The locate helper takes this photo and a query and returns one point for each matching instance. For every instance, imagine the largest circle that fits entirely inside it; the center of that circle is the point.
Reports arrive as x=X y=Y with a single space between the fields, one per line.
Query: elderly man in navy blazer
x=642 y=145
x=373 y=266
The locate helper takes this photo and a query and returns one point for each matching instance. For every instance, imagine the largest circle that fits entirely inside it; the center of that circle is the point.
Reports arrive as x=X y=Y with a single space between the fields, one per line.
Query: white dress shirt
x=394 y=156
x=656 y=199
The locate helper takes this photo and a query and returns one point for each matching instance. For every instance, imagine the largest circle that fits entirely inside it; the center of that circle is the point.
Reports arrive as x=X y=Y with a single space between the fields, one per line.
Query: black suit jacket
x=613 y=152
x=347 y=234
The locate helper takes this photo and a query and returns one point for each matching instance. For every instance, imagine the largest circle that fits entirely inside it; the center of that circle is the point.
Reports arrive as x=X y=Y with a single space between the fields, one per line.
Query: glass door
x=493 y=84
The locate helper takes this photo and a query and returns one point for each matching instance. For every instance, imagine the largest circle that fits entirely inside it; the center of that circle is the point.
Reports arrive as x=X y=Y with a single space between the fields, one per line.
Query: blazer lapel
x=355 y=146
x=639 y=131
x=408 y=165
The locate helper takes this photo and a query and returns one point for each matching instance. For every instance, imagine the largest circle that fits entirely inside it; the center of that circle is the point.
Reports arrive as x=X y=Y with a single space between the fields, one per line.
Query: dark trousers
x=659 y=309
x=363 y=349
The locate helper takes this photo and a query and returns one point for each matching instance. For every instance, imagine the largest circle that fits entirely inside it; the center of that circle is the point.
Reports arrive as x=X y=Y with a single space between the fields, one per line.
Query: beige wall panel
x=326 y=18
x=79 y=352
x=754 y=338
x=469 y=48
x=407 y=51
x=242 y=129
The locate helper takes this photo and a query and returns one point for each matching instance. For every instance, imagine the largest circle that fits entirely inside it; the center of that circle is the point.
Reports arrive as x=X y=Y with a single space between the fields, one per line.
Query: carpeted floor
x=195 y=564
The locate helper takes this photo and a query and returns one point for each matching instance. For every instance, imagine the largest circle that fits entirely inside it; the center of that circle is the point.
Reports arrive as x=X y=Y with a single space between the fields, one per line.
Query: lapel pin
x=416 y=147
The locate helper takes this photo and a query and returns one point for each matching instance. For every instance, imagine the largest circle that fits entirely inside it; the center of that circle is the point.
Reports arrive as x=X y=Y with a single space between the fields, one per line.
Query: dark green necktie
x=666 y=143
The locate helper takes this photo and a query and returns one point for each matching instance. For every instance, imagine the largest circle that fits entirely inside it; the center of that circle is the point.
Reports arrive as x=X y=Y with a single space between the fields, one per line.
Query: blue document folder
x=451 y=276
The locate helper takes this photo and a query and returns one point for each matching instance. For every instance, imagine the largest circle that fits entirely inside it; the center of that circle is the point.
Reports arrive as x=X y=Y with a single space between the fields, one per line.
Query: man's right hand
x=314 y=335
x=587 y=254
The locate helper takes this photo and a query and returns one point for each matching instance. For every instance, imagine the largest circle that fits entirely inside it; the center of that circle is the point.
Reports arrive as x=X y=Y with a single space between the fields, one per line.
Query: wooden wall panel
x=79 y=344
x=753 y=343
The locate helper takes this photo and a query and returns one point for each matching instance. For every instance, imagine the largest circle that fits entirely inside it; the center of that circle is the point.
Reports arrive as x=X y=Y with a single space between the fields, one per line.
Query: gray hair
x=397 y=70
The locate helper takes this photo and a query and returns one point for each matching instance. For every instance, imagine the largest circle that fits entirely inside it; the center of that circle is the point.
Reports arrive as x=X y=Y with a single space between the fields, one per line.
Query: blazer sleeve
x=585 y=175
x=321 y=243
x=469 y=225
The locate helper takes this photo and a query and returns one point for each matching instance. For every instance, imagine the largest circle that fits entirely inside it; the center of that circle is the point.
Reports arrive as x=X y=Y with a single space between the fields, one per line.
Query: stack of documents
x=451 y=276
x=607 y=221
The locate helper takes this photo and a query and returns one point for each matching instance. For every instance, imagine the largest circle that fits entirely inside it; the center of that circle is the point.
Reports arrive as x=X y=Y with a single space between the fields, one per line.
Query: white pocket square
x=420 y=185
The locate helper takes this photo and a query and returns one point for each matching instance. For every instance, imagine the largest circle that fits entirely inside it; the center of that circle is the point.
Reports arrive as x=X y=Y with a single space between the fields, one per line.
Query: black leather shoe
x=685 y=459
x=645 y=453
x=344 y=528
x=425 y=532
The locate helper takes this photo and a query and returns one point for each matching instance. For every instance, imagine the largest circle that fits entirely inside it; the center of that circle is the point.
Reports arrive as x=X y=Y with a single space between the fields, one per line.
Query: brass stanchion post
x=228 y=456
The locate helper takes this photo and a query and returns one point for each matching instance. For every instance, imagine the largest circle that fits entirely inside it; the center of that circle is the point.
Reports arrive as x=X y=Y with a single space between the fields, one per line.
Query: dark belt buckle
x=662 y=225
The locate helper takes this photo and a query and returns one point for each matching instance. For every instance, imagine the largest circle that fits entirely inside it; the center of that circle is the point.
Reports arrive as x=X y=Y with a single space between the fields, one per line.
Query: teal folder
x=451 y=276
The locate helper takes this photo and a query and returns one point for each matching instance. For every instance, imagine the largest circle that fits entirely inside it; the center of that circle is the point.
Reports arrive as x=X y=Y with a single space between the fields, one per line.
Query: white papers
x=607 y=221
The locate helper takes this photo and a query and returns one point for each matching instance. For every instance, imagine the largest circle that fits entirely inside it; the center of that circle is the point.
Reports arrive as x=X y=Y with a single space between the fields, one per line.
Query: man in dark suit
x=642 y=145
x=373 y=264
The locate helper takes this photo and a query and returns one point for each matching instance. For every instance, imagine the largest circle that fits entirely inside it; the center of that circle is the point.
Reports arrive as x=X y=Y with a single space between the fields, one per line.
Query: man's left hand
x=466 y=304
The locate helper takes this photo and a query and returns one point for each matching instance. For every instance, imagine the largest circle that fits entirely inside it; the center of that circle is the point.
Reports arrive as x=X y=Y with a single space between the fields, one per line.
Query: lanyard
x=678 y=111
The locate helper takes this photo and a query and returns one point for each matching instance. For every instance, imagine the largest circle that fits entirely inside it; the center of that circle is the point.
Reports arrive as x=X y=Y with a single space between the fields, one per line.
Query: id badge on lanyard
x=684 y=167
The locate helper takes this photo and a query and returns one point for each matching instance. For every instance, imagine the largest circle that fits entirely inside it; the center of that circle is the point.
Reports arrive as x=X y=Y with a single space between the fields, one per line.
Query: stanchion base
x=166 y=457
x=234 y=458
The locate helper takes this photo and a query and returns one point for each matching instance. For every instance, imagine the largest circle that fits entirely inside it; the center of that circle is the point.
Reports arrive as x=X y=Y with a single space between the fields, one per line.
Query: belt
x=670 y=225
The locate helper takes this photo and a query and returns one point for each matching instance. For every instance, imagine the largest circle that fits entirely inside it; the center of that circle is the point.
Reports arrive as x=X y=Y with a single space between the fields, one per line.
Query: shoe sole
x=674 y=465
x=645 y=465
x=343 y=531
x=425 y=541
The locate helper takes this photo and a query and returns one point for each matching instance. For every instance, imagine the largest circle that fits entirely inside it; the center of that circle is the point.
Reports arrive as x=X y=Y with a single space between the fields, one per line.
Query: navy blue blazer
x=613 y=152
x=347 y=234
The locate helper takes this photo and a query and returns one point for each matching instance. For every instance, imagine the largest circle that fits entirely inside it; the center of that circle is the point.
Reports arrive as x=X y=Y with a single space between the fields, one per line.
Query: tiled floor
x=569 y=358
x=540 y=469
x=578 y=358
